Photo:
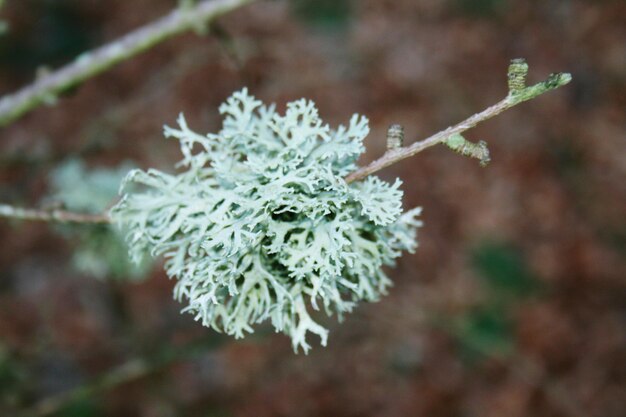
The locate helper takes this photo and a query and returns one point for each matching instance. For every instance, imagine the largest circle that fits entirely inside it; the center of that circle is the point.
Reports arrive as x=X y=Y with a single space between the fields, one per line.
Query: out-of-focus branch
x=89 y=64
x=518 y=93
x=54 y=215
x=130 y=371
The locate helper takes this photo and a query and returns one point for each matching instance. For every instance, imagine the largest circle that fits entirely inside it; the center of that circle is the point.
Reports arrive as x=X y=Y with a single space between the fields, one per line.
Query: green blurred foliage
x=4 y=26
x=503 y=271
x=85 y=407
x=327 y=14
x=487 y=330
x=12 y=380
x=480 y=8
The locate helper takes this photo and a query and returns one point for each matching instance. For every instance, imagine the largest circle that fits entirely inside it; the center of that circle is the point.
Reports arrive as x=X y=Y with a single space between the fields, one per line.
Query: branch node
x=519 y=92
x=200 y=28
x=463 y=146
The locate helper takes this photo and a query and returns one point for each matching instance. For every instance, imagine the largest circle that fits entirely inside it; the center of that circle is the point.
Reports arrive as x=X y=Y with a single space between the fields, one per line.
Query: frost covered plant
x=260 y=224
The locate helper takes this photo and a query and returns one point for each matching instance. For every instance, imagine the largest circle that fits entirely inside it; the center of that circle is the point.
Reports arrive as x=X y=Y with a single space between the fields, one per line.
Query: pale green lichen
x=260 y=223
x=101 y=251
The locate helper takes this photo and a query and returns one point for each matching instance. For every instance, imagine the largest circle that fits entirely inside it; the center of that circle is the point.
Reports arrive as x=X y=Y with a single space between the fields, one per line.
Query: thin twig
x=395 y=155
x=54 y=215
x=45 y=89
x=518 y=93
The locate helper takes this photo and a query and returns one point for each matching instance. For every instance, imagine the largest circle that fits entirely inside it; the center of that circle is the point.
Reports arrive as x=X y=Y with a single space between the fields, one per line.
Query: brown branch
x=395 y=155
x=45 y=89
x=518 y=93
x=54 y=215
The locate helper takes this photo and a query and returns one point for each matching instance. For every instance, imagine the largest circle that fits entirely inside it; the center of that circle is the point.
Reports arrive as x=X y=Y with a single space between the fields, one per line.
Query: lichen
x=100 y=250
x=260 y=225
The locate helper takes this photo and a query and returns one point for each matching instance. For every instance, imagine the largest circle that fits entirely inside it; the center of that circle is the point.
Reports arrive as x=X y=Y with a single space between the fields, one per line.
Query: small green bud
x=463 y=146
x=518 y=70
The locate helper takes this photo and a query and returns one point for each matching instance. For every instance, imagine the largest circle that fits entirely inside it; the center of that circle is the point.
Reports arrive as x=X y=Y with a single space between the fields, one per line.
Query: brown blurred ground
x=514 y=304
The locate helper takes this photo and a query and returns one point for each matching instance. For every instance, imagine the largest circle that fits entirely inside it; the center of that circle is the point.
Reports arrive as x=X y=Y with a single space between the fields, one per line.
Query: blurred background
x=513 y=305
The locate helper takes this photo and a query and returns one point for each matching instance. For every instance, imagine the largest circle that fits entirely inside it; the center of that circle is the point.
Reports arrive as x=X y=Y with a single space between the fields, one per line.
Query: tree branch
x=45 y=89
x=55 y=215
x=518 y=93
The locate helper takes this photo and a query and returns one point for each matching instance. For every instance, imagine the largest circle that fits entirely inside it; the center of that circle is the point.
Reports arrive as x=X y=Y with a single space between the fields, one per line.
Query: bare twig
x=518 y=93
x=45 y=89
x=54 y=215
x=395 y=155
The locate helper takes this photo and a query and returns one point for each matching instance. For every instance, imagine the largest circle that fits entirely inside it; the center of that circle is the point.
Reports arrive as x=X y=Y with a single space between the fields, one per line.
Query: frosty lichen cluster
x=260 y=225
